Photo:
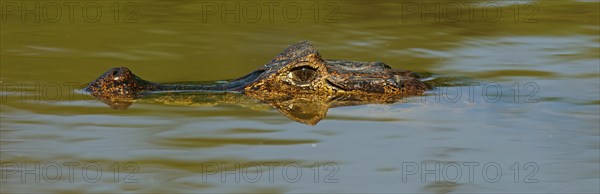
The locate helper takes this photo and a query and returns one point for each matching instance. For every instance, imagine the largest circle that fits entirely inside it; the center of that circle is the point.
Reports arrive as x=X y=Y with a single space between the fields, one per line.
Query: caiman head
x=300 y=70
x=297 y=82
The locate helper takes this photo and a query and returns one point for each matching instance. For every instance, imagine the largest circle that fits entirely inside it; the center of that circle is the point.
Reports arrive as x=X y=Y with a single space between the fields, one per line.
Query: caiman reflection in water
x=297 y=82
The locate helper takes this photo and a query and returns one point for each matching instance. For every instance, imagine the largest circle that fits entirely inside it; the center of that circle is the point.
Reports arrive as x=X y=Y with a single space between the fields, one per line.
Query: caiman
x=298 y=82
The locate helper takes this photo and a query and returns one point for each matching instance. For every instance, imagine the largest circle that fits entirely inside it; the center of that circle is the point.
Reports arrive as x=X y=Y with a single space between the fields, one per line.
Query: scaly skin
x=297 y=76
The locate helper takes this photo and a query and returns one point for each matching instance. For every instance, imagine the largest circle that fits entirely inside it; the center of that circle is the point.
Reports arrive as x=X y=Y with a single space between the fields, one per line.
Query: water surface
x=525 y=120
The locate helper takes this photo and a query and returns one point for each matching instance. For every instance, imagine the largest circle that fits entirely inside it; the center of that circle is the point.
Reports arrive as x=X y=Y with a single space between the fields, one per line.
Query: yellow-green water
x=541 y=131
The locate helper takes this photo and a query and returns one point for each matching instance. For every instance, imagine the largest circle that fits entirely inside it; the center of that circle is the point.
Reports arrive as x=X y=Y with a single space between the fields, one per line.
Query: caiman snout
x=118 y=82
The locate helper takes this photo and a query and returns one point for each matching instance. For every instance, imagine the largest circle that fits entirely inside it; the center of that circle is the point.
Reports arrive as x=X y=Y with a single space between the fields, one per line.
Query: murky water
x=527 y=119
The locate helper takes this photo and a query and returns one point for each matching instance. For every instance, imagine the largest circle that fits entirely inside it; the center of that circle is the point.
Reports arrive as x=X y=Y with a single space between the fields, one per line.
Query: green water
x=526 y=121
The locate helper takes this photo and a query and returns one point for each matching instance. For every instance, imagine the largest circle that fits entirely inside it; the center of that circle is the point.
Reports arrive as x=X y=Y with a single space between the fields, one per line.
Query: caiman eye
x=303 y=75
